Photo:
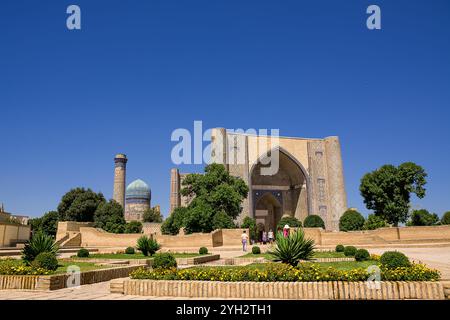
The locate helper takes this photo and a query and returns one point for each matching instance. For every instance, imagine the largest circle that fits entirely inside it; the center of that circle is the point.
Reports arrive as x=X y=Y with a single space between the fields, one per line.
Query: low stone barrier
x=59 y=281
x=149 y=261
x=244 y=261
x=333 y=290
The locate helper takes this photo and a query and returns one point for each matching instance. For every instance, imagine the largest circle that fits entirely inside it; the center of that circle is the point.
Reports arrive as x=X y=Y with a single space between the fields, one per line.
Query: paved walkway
x=435 y=257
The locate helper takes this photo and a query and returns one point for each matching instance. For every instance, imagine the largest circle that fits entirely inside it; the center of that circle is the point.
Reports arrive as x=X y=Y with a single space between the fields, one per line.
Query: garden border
x=59 y=281
x=332 y=290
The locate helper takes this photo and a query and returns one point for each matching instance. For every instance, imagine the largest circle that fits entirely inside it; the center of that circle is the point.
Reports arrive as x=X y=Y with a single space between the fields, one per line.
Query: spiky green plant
x=293 y=248
x=40 y=242
x=147 y=245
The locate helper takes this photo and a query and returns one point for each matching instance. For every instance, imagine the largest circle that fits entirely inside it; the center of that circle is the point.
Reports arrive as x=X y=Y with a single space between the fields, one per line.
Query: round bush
x=256 y=250
x=82 y=253
x=164 y=261
x=362 y=255
x=314 y=221
x=292 y=222
x=340 y=248
x=130 y=250
x=446 y=218
x=46 y=260
x=351 y=220
x=350 y=251
x=394 y=259
x=203 y=250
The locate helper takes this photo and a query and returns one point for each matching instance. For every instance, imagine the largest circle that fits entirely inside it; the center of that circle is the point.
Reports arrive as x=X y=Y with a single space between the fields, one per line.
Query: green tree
x=48 y=223
x=423 y=218
x=250 y=223
x=133 y=227
x=292 y=222
x=314 y=221
x=214 y=192
x=79 y=204
x=351 y=220
x=109 y=217
x=174 y=221
x=222 y=221
x=374 y=222
x=387 y=190
x=152 y=215
x=446 y=218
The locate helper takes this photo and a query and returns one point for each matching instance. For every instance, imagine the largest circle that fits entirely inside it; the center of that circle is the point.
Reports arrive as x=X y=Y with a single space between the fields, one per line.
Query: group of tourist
x=267 y=237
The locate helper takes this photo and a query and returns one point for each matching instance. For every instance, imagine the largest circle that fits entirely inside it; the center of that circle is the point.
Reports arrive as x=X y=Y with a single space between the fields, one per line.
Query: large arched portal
x=282 y=194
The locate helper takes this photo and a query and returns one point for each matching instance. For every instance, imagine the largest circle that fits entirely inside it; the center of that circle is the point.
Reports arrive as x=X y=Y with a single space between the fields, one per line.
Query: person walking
x=270 y=236
x=264 y=237
x=244 y=238
x=286 y=231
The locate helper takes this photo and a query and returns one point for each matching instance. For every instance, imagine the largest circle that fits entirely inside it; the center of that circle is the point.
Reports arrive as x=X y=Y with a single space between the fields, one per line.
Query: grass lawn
x=317 y=254
x=348 y=265
x=122 y=256
x=344 y=265
x=84 y=266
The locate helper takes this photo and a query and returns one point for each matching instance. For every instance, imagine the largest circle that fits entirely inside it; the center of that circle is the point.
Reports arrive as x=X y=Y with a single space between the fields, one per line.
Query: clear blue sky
x=70 y=100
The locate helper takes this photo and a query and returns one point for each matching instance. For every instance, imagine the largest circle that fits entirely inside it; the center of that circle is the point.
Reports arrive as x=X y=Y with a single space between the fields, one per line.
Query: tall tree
x=79 y=204
x=47 y=224
x=213 y=193
x=152 y=215
x=109 y=217
x=388 y=190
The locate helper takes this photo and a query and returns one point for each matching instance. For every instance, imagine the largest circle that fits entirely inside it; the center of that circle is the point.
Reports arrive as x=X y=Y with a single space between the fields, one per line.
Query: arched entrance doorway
x=282 y=194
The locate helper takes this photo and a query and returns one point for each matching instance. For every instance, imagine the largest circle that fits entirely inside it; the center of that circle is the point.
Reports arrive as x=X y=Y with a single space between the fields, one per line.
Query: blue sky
x=137 y=70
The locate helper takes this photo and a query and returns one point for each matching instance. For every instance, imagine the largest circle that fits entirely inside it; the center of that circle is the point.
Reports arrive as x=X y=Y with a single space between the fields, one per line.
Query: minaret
x=120 y=167
x=174 y=189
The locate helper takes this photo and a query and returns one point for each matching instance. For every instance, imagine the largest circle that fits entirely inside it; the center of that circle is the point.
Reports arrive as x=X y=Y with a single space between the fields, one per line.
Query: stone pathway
x=435 y=257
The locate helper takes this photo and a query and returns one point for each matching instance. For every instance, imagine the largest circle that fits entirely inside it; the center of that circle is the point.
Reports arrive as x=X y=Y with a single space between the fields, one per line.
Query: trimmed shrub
x=164 y=261
x=203 y=250
x=374 y=222
x=350 y=251
x=446 y=218
x=130 y=250
x=362 y=255
x=256 y=250
x=351 y=220
x=314 y=221
x=340 y=248
x=292 y=222
x=45 y=260
x=83 y=253
x=394 y=259
x=133 y=227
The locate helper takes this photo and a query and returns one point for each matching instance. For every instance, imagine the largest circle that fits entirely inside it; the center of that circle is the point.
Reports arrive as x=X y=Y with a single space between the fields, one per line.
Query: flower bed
x=15 y=267
x=274 y=272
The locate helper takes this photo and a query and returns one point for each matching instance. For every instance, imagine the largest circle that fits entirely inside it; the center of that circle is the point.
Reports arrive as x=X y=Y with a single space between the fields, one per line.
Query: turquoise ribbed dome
x=138 y=189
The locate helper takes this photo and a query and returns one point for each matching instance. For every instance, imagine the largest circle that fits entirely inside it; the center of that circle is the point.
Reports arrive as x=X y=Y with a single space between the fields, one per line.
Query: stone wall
x=333 y=290
x=92 y=237
x=151 y=228
x=10 y=234
x=380 y=236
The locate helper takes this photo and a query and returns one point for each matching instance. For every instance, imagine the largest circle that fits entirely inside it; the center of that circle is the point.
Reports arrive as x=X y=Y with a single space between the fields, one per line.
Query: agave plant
x=40 y=242
x=293 y=248
x=147 y=245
